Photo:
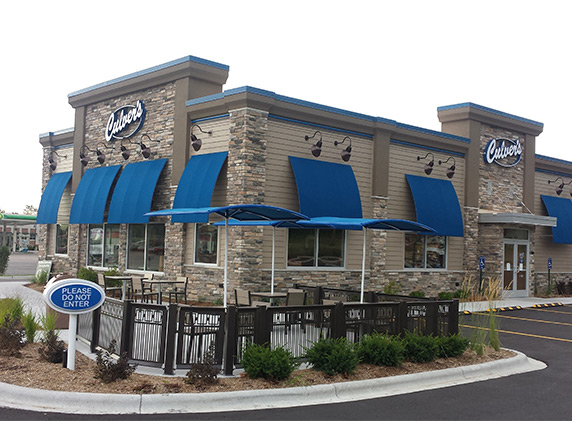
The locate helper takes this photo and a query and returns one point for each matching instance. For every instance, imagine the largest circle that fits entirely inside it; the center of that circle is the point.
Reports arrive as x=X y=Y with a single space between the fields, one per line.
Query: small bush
x=445 y=296
x=333 y=356
x=417 y=294
x=451 y=346
x=41 y=278
x=52 y=347
x=30 y=326
x=462 y=294
x=4 y=258
x=391 y=288
x=88 y=274
x=420 y=349
x=13 y=308
x=270 y=364
x=108 y=369
x=11 y=337
x=380 y=349
x=203 y=372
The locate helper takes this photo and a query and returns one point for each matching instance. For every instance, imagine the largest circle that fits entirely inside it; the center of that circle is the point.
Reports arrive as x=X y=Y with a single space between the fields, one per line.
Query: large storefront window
x=146 y=247
x=316 y=248
x=62 y=238
x=425 y=251
x=206 y=244
x=103 y=245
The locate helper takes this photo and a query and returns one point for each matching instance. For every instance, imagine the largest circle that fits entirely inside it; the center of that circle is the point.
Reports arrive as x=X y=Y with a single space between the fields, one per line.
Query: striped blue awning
x=50 y=203
x=91 y=196
x=134 y=191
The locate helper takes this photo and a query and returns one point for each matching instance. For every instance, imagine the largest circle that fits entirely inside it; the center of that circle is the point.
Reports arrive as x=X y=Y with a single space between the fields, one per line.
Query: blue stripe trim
x=51 y=197
x=433 y=132
x=151 y=70
x=57 y=132
x=561 y=174
x=214 y=117
x=320 y=126
x=489 y=110
x=428 y=148
x=551 y=159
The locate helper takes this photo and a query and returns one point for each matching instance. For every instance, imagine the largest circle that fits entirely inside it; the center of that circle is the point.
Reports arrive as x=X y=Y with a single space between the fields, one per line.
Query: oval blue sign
x=127 y=117
x=74 y=296
x=503 y=152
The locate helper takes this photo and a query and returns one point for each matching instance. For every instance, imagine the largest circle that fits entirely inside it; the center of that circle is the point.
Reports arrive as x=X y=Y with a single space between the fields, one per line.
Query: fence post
x=432 y=322
x=230 y=340
x=338 y=320
x=95 y=326
x=318 y=295
x=370 y=297
x=453 y=322
x=126 y=328
x=261 y=326
x=171 y=339
x=402 y=317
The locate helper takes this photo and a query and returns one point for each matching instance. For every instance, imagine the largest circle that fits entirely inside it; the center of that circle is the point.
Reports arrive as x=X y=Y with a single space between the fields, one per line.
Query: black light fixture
x=428 y=166
x=347 y=152
x=125 y=153
x=100 y=154
x=52 y=162
x=560 y=186
x=451 y=170
x=316 y=148
x=146 y=150
x=196 y=143
x=82 y=158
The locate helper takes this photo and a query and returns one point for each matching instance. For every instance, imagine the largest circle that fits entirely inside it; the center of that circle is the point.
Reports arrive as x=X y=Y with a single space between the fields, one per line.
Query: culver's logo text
x=503 y=152
x=123 y=118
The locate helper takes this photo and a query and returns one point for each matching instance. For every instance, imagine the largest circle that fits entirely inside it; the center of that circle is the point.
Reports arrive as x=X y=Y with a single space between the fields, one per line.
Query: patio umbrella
x=239 y=212
x=364 y=224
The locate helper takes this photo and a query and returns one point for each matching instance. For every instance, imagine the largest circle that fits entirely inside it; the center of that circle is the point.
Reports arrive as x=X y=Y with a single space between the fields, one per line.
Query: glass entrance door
x=515 y=268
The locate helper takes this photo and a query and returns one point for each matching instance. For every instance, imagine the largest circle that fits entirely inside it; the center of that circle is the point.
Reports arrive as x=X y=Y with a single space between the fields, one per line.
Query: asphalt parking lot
x=544 y=334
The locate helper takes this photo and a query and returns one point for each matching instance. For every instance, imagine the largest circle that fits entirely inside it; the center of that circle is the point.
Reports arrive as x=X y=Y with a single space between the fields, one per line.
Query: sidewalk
x=78 y=403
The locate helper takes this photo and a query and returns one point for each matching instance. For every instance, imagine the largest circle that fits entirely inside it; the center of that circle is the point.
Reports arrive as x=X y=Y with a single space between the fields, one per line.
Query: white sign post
x=73 y=296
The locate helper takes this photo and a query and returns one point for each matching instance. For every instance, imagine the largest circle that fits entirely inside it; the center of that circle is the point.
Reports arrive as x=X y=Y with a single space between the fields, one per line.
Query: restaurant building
x=172 y=137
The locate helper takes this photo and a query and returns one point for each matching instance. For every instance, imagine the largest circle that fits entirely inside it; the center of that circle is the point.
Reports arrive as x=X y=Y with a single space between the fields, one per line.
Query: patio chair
x=295 y=297
x=110 y=290
x=179 y=291
x=243 y=299
x=141 y=291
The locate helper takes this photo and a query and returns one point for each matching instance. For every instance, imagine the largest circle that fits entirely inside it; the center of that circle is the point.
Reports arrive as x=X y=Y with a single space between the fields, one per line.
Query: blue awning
x=436 y=205
x=133 y=193
x=560 y=208
x=197 y=183
x=91 y=196
x=245 y=212
x=50 y=203
x=326 y=188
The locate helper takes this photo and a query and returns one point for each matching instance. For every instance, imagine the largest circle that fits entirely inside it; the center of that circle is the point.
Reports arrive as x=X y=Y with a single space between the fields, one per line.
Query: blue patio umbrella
x=364 y=224
x=244 y=212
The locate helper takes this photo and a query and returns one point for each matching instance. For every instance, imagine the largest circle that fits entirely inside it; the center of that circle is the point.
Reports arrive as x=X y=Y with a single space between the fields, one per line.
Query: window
x=316 y=248
x=205 y=244
x=62 y=238
x=425 y=251
x=146 y=247
x=103 y=245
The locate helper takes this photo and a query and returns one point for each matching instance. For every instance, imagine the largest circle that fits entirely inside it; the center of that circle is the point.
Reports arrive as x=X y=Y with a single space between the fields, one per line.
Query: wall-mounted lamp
x=316 y=148
x=146 y=150
x=347 y=152
x=100 y=154
x=125 y=153
x=428 y=166
x=560 y=186
x=196 y=143
x=52 y=162
x=451 y=170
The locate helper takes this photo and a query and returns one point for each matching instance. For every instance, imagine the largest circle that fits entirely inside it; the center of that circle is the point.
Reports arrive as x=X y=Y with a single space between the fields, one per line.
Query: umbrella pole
x=225 y=260
x=363 y=266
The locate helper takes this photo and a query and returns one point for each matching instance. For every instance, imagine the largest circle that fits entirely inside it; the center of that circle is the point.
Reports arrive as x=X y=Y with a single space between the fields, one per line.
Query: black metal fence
x=172 y=335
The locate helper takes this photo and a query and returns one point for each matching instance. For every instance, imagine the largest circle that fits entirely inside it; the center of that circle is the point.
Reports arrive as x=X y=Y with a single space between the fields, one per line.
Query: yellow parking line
x=521 y=334
x=534 y=320
x=550 y=311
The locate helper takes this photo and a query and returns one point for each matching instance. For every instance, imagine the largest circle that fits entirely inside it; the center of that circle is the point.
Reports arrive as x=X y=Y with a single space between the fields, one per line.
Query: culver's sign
x=125 y=121
x=503 y=152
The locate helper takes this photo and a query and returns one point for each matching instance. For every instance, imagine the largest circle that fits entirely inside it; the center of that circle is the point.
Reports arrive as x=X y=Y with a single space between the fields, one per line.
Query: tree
x=30 y=210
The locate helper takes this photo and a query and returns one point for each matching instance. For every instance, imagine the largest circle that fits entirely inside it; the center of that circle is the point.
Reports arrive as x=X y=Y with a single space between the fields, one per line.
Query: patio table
x=160 y=284
x=271 y=295
x=124 y=281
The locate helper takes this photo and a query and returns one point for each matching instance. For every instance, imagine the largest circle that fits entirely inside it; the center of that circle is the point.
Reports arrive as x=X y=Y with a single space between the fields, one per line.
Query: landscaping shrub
x=108 y=369
x=52 y=347
x=11 y=337
x=420 y=349
x=381 y=349
x=13 y=308
x=205 y=371
x=4 y=258
x=462 y=294
x=417 y=294
x=30 y=326
x=452 y=346
x=88 y=274
x=391 y=288
x=333 y=356
x=270 y=364
x=41 y=278
x=445 y=296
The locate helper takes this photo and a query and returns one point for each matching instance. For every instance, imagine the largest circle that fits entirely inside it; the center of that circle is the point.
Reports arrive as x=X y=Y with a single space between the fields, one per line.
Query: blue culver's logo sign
x=503 y=152
x=125 y=121
x=74 y=296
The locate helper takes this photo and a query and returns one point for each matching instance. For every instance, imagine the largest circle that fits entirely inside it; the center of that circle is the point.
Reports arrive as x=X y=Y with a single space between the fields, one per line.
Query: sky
x=394 y=59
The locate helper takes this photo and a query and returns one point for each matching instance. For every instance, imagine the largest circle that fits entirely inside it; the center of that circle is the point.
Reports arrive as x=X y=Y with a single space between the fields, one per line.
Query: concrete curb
x=95 y=403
